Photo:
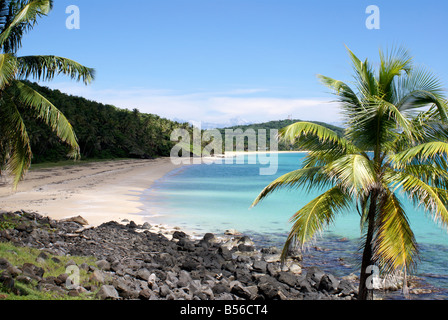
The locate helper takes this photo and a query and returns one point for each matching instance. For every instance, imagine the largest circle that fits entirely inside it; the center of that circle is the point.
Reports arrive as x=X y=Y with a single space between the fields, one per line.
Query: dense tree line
x=277 y=125
x=103 y=131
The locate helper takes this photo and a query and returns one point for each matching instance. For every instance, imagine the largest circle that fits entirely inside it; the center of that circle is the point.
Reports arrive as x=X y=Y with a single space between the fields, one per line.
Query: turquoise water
x=217 y=197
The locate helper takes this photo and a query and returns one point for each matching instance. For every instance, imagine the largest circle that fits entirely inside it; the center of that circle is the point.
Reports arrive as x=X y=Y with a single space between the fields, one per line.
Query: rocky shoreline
x=133 y=262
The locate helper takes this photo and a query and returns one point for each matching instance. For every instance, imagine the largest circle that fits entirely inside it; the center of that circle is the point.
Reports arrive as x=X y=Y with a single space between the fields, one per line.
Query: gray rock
x=4 y=264
x=107 y=292
x=287 y=278
x=328 y=283
x=143 y=274
x=314 y=275
x=103 y=265
x=98 y=277
x=260 y=266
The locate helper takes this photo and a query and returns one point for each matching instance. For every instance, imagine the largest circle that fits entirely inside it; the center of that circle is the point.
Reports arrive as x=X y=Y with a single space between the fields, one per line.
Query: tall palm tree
x=396 y=142
x=17 y=17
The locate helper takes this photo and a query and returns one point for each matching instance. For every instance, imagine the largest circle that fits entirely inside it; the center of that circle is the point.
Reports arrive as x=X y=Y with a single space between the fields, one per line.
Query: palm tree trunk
x=366 y=292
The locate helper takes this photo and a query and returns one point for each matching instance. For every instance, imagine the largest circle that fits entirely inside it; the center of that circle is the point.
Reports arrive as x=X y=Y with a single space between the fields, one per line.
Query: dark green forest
x=103 y=131
x=107 y=132
x=279 y=124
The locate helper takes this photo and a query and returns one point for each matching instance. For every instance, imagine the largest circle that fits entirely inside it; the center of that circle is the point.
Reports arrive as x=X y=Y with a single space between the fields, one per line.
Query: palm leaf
x=395 y=246
x=48 y=113
x=354 y=173
x=315 y=217
x=24 y=17
x=295 y=179
x=433 y=151
x=433 y=200
x=20 y=149
x=47 y=67
x=8 y=68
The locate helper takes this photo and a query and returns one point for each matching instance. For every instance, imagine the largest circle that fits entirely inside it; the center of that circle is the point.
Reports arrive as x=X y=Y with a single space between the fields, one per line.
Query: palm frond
x=354 y=173
x=395 y=246
x=433 y=200
x=20 y=149
x=315 y=217
x=431 y=151
x=310 y=177
x=24 y=18
x=44 y=68
x=8 y=69
x=48 y=113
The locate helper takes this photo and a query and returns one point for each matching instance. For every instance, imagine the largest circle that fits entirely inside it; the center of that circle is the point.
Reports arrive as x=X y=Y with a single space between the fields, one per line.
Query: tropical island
x=83 y=181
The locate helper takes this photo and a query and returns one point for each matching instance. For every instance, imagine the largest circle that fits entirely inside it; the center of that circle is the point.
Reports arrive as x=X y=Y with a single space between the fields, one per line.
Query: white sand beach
x=99 y=191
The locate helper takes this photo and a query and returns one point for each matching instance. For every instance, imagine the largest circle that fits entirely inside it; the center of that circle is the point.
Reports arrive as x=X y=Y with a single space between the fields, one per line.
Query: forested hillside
x=103 y=131
x=280 y=124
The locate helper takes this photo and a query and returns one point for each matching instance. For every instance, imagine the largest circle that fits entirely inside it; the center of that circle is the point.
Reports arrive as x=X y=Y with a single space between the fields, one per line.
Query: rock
x=346 y=288
x=260 y=266
x=4 y=264
x=33 y=271
x=145 y=294
x=146 y=265
x=184 y=279
x=103 y=265
x=269 y=288
x=146 y=226
x=132 y=225
x=179 y=235
x=287 y=278
x=164 y=291
x=79 y=220
x=248 y=293
x=329 y=283
x=107 y=292
x=143 y=274
x=14 y=271
x=97 y=276
x=232 y=232
x=314 y=275
x=225 y=253
x=7 y=281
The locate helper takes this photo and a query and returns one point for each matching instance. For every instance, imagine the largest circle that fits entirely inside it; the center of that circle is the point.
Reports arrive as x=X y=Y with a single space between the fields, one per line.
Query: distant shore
x=99 y=192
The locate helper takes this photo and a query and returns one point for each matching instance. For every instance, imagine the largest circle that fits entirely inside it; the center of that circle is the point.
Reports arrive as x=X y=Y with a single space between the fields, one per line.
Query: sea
x=217 y=196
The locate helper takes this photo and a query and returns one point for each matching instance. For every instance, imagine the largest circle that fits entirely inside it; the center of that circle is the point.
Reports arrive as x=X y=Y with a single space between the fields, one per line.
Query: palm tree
x=396 y=142
x=17 y=17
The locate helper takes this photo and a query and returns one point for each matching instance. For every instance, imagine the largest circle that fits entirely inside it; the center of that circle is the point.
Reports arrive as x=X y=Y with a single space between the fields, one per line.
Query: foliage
x=396 y=141
x=103 y=131
x=277 y=125
x=18 y=256
x=17 y=17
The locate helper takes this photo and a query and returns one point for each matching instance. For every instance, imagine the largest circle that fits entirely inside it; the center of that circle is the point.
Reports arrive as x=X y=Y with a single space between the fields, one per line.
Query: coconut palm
x=16 y=19
x=396 y=142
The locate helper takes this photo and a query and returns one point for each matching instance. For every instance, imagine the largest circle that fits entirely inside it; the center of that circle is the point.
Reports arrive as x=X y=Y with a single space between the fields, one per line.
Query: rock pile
x=134 y=263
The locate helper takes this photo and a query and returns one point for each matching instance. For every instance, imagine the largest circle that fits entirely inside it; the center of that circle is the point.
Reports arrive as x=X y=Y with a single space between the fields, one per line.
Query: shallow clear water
x=217 y=197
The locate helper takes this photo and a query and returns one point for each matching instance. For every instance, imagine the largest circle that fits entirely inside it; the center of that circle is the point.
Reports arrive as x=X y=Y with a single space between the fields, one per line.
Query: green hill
x=279 y=124
x=103 y=131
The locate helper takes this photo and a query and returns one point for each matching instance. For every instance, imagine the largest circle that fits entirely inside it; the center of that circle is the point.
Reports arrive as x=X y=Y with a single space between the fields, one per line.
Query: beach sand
x=99 y=191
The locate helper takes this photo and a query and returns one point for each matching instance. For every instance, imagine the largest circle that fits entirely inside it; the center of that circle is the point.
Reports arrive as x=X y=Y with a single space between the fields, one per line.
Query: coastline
x=100 y=192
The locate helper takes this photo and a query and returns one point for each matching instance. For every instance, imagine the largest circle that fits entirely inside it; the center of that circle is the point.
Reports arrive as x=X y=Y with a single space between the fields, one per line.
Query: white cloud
x=216 y=107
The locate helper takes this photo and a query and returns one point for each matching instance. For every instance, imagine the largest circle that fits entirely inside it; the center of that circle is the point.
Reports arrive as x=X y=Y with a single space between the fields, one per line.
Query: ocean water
x=216 y=197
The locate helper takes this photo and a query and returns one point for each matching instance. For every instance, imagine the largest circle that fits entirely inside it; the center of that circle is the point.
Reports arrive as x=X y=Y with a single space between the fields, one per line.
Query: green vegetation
x=396 y=141
x=103 y=131
x=277 y=125
x=53 y=266
x=17 y=97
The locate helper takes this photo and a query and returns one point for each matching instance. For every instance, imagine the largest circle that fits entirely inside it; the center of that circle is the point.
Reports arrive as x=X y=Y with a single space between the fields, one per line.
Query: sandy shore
x=99 y=192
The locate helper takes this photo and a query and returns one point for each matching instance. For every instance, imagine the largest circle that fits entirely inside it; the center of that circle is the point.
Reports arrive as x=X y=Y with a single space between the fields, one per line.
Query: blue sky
x=216 y=60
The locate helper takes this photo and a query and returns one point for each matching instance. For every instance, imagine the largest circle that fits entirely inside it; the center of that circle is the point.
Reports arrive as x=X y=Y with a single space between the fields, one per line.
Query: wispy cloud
x=216 y=107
